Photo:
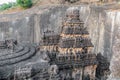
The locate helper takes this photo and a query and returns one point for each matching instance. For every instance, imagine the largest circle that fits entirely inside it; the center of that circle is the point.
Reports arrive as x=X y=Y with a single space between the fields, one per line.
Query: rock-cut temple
x=71 y=51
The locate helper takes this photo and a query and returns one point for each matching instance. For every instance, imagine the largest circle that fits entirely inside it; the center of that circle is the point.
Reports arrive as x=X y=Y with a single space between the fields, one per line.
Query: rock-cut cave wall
x=21 y=29
x=115 y=61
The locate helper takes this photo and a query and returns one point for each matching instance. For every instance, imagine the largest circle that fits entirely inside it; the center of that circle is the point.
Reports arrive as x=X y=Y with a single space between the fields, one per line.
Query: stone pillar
x=37 y=33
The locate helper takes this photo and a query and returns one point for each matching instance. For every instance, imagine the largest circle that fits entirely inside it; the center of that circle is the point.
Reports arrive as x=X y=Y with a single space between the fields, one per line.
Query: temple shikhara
x=71 y=51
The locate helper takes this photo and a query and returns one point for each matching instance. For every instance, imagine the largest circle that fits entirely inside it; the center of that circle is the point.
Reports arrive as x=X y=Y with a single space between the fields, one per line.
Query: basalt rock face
x=22 y=29
x=115 y=61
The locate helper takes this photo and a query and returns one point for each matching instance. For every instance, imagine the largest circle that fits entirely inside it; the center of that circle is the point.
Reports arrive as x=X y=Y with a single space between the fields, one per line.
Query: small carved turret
x=50 y=41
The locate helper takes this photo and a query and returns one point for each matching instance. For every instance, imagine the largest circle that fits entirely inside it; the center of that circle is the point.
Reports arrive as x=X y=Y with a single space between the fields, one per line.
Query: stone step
x=26 y=55
x=10 y=56
x=20 y=48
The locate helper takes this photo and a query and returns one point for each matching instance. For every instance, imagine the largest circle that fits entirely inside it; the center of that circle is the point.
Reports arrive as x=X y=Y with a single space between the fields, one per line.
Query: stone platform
x=9 y=60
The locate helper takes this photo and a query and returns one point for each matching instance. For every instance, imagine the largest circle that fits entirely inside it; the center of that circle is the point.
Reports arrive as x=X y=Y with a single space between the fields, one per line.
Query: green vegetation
x=7 y=6
x=25 y=3
x=19 y=3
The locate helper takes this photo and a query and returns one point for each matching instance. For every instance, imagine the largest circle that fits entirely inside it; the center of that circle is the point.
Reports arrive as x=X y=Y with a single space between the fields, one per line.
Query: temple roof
x=49 y=33
x=51 y=40
x=77 y=42
x=79 y=60
x=76 y=31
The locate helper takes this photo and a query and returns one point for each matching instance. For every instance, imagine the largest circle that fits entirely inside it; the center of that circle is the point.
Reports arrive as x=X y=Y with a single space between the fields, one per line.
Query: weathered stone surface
x=115 y=61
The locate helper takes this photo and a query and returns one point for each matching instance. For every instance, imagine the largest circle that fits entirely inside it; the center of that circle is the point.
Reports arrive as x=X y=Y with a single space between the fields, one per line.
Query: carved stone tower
x=74 y=36
x=71 y=50
x=75 y=41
